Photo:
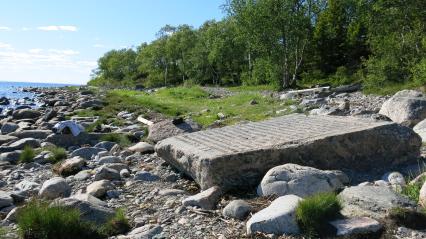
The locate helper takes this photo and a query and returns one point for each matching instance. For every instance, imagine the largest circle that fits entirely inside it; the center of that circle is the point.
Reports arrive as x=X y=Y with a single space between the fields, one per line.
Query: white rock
x=206 y=199
x=238 y=209
x=142 y=147
x=55 y=188
x=99 y=188
x=5 y=199
x=358 y=225
x=300 y=180
x=279 y=218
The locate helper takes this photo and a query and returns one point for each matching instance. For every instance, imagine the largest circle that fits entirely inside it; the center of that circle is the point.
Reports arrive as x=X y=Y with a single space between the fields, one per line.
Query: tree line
x=284 y=43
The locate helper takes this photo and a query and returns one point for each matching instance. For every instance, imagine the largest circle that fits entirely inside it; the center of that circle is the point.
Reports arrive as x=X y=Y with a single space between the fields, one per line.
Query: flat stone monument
x=236 y=157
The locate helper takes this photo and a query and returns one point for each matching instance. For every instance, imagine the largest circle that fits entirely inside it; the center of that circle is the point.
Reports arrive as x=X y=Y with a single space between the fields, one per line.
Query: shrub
x=117 y=225
x=120 y=139
x=38 y=220
x=27 y=155
x=313 y=213
x=412 y=190
x=58 y=154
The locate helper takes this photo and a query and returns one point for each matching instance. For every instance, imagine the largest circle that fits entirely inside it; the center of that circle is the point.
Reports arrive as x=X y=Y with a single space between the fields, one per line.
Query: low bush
x=314 y=213
x=58 y=154
x=120 y=139
x=117 y=225
x=27 y=155
x=39 y=220
x=412 y=190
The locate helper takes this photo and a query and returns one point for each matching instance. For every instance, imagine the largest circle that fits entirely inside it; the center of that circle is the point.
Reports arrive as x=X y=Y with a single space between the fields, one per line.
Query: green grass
x=120 y=139
x=117 y=225
x=313 y=213
x=252 y=88
x=2 y=233
x=27 y=155
x=191 y=101
x=38 y=220
x=58 y=154
x=413 y=190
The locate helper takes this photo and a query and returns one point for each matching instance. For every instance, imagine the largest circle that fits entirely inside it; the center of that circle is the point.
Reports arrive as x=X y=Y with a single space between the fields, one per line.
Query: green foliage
x=412 y=190
x=38 y=220
x=314 y=212
x=117 y=225
x=2 y=232
x=27 y=155
x=58 y=154
x=120 y=139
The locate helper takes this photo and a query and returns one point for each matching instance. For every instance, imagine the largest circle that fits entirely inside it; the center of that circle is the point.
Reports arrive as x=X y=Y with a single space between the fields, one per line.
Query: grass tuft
x=38 y=220
x=58 y=154
x=120 y=139
x=408 y=218
x=412 y=190
x=314 y=213
x=117 y=225
x=27 y=155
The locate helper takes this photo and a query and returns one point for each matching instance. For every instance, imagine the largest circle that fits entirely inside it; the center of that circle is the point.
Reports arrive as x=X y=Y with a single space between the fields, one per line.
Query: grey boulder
x=25 y=114
x=405 y=107
x=55 y=188
x=99 y=188
x=371 y=201
x=278 y=218
x=300 y=181
x=70 y=166
x=5 y=199
x=87 y=153
x=8 y=128
x=168 y=128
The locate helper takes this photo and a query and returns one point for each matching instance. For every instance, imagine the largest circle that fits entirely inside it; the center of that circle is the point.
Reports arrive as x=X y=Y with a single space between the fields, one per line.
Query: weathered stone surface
x=420 y=129
x=238 y=209
x=107 y=173
x=105 y=145
x=206 y=199
x=358 y=225
x=142 y=147
x=110 y=159
x=279 y=218
x=11 y=157
x=27 y=186
x=145 y=176
x=168 y=128
x=70 y=166
x=87 y=153
x=68 y=140
x=26 y=114
x=55 y=188
x=371 y=201
x=300 y=181
x=8 y=128
x=99 y=188
x=6 y=139
x=5 y=199
x=240 y=155
x=36 y=134
x=422 y=196
x=144 y=232
x=20 y=144
x=406 y=106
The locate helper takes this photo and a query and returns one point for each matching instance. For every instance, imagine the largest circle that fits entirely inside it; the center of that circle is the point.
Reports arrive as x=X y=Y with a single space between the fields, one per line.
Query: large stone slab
x=237 y=156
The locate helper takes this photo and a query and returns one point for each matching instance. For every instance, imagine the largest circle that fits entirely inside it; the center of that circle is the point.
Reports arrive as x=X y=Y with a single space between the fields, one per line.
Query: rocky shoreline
x=163 y=202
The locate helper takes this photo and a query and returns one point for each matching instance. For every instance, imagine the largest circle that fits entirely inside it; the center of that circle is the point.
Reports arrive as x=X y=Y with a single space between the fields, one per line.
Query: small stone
x=238 y=209
x=107 y=173
x=205 y=200
x=142 y=147
x=99 y=188
x=145 y=176
x=358 y=225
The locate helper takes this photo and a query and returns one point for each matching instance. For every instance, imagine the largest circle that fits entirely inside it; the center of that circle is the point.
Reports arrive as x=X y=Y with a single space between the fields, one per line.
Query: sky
x=59 y=41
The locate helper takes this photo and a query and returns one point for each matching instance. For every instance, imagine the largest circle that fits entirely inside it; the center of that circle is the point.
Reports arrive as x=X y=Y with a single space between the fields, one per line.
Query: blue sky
x=59 y=41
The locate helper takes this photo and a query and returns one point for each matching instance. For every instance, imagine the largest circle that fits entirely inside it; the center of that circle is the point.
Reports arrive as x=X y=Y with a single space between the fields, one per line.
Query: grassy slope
x=184 y=101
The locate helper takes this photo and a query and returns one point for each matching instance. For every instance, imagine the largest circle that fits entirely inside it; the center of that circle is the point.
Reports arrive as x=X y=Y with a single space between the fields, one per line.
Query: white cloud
x=35 y=50
x=5 y=46
x=64 y=52
x=25 y=29
x=99 y=46
x=58 y=28
x=3 y=28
